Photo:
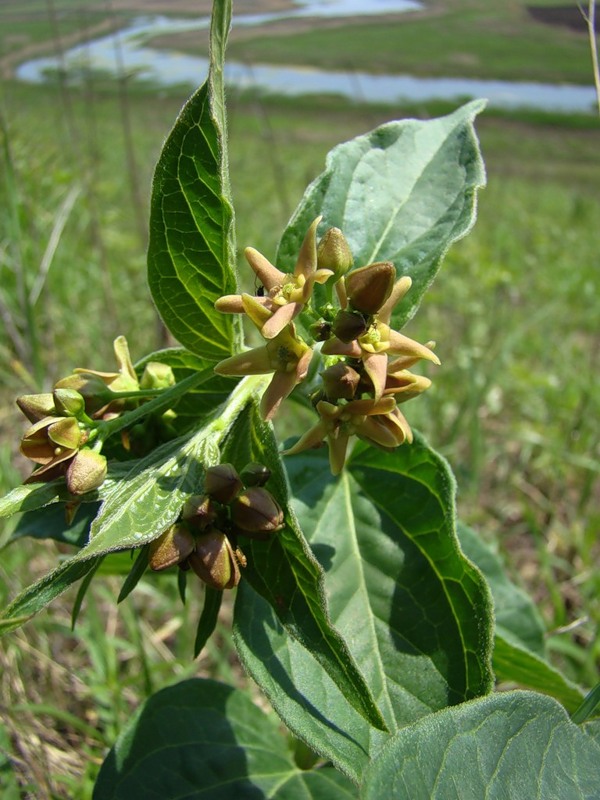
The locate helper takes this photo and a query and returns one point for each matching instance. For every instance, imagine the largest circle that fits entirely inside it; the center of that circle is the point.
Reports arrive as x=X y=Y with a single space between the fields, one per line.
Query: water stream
x=129 y=52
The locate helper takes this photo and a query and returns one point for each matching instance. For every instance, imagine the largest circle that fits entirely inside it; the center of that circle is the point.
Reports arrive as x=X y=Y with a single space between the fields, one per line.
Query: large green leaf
x=191 y=254
x=415 y=613
x=402 y=193
x=511 y=746
x=203 y=739
x=284 y=572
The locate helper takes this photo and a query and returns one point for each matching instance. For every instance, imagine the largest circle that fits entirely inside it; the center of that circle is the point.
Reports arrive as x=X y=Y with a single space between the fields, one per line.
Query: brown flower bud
x=340 y=381
x=348 y=325
x=334 y=253
x=222 y=482
x=214 y=561
x=255 y=474
x=256 y=513
x=172 y=547
x=369 y=287
x=87 y=471
x=199 y=510
x=36 y=406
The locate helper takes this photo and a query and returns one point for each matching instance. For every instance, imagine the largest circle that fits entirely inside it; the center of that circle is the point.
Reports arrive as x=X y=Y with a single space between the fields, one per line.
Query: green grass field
x=514 y=406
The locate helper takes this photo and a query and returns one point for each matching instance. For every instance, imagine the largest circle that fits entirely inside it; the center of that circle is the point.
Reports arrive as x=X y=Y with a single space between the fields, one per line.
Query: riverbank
x=447 y=38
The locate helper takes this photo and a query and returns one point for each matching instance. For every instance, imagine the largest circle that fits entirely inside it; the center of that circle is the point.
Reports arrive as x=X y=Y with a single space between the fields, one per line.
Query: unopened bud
x=214 y=561
x=255 y=512
x=222 y=482
x=334 y=253
x=199 y=511
x=348 y=325
x=87 y=471
x=369 y=287
x=255 y=474
x=157 y=375
x=171 y=547
x=68 y=402
x=36 y=406
x=340 y=381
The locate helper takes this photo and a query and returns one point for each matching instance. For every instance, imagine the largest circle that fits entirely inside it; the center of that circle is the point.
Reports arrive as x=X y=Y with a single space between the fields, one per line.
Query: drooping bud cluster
x=361 y=386
x=205 y=538
x=57 y=440
x=62 y=440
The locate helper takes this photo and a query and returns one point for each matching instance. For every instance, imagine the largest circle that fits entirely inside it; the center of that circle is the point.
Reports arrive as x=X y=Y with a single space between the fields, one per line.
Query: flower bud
x=341 y=382
x=157 y=375
x=36 y=406
x=256 y=513
x=369 y=287
x=200 y=511
x=87 y=471
x=255 y=474
x=68 y=402
x=334 y=253
x=348 y=325
x=90 y=386
x=172 y=547
x=222 y=482
x=214 y=562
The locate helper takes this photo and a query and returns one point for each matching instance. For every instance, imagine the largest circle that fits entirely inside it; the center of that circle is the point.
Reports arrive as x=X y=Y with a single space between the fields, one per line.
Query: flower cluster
x=367 y=363
x=204 y=539
x=63 y=439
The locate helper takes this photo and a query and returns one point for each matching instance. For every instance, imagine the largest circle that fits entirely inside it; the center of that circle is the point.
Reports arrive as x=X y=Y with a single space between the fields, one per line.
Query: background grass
x=514 y=407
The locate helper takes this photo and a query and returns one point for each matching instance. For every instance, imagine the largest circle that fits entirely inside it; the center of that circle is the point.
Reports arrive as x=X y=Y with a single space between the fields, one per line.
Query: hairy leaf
x=505 y=747
x=414 y=612
x=401 y=193
x=516 y=614
x=204 y=739
x=191 y=254
x=284 y=571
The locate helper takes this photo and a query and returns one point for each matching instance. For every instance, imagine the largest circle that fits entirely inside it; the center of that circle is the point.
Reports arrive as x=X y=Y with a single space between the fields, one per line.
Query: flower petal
x=335 y=347
x=251 y=362
x=280 y=387
x=267 y=274
x=312 y=438
x=401 y=287
x=337 y=452
x=376 y=368
x=404 y=346
x=307 y=257
x=282 y=317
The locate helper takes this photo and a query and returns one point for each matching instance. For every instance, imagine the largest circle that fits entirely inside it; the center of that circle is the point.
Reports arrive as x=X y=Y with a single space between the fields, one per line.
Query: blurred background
x=89 y=89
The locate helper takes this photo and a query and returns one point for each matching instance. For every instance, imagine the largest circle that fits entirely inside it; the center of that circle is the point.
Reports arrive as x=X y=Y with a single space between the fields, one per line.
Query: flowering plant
x=375 y=638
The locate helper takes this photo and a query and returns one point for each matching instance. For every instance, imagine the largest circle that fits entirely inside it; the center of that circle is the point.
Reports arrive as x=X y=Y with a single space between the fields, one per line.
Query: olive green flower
x=376 y=421
x=378 y=341
x=285 y=294
x=285 y=355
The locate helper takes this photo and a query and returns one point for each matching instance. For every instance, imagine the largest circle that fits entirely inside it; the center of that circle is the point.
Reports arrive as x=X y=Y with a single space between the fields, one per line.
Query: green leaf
x=414 y=612
x=191 y=253
x=589 y=707
x=402 y=193
x=32 y=496
x=519 y=651
x=204 y=739
x=208 y=618
x=517 y=616
x=514 y=663
x=509 y=746
x=284 y=571
x=50 y=522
